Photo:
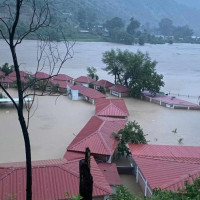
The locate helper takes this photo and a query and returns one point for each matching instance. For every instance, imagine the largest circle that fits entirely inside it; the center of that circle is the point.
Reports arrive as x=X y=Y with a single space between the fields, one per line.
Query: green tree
x=122 y=193
x=92 y=73
x=6 y=68
x=120 y=36
x=132 y=133
x=166 y=27
x=110 y=58
x=133 y=26
x=134 y=70
x=114 y=23
x=182 y=32
x=102 y=90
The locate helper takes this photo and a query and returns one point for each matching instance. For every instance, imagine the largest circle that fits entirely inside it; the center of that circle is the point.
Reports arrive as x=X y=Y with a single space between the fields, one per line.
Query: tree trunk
x=86 y=179
x=23 y=124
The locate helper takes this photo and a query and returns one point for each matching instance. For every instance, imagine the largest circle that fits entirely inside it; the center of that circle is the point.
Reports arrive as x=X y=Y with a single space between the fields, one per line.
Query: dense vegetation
x=6 y=68
x=131 y=133
x=134 y=70
x=191 y=192
x=91 y=21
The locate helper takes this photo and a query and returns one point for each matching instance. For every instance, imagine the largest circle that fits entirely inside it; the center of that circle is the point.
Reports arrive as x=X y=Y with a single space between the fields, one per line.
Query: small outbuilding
x=63 y=77
x=111 y=108
x=79 y=92
x=83 y=80
x=164 y=166
x=102 y=83
x=119 y=90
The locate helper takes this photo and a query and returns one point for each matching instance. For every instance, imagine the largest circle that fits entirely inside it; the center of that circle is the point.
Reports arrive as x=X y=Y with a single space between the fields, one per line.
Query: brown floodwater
x=55 y=122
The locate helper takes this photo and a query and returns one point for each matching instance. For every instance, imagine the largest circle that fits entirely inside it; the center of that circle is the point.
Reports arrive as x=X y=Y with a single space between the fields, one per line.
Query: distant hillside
x=182 y=12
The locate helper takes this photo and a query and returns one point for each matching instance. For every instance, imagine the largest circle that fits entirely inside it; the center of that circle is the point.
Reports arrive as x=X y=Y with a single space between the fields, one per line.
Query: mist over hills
x=182 y=12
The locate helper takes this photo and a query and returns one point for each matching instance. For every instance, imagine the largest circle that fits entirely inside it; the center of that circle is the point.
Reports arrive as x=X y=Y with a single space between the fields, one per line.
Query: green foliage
x=114 y=23
x=167 y=28
x=92 y=73
x=101 y=89
x=134 y=70
x=191 y=192
x=6 y=68
x=133 y=26
x=91 y=85
x=122 y=193
x=132 y=133
x=121 y=36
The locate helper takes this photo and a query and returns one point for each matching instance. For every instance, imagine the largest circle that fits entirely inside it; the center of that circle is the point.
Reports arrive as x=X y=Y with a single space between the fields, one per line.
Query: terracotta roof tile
x=41 y=75
x=91 y=93
x=62 y=77
x=166 y=166
x=51 y=180
x=2 y=73
x=97 y=135
x=119 y=88
x=110 y=172
x=103 y=83
x=111 y=107
x=84 y=79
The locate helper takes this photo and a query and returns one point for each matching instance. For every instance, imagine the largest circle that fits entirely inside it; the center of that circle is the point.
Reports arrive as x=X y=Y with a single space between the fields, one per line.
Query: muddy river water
x=56 y=122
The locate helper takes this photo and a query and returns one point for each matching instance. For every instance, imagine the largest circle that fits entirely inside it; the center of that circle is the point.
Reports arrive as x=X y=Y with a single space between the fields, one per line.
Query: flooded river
x=56 y=122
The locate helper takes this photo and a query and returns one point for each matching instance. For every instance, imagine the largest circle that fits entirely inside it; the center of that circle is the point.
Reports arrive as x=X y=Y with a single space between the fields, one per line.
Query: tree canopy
x=92 y=73
x=132 y=133
x=134 y=70
x=133 y=26
x=191 y=192
x=6 y=68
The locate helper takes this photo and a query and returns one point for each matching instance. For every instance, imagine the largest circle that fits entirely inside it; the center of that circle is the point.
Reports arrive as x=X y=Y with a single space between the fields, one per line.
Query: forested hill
x=182 y=12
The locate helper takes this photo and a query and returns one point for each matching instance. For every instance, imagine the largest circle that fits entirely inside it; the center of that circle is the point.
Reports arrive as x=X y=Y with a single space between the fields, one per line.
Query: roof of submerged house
x=22 y=74
x=111 y=107
x=110 y=172
x=103 y=83
x=120 y=88
x=2 y=73
x=41 y=75
x=51 y=179
x=165 y=166
x=97 y=135
x=62 y=77
x=61 y=84
x=91 y=93
x=84 y=79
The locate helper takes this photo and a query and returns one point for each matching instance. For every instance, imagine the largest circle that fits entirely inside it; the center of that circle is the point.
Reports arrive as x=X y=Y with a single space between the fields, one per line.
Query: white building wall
x=74 y=95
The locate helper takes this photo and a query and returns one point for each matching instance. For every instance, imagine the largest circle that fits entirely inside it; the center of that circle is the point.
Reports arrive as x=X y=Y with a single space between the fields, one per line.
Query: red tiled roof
x=61 y=84
x=103 y=83
x=119 y=88
x=165 y=166
x=91 y=93
x=51 y=179
x=84 y=79
x=2 y=73
x=41 y=75
x=22 y=74
x=111 y=107
x=97 y=135
x=62 y=77
x=110 y=172
x=71 y=155
x=8 y=79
